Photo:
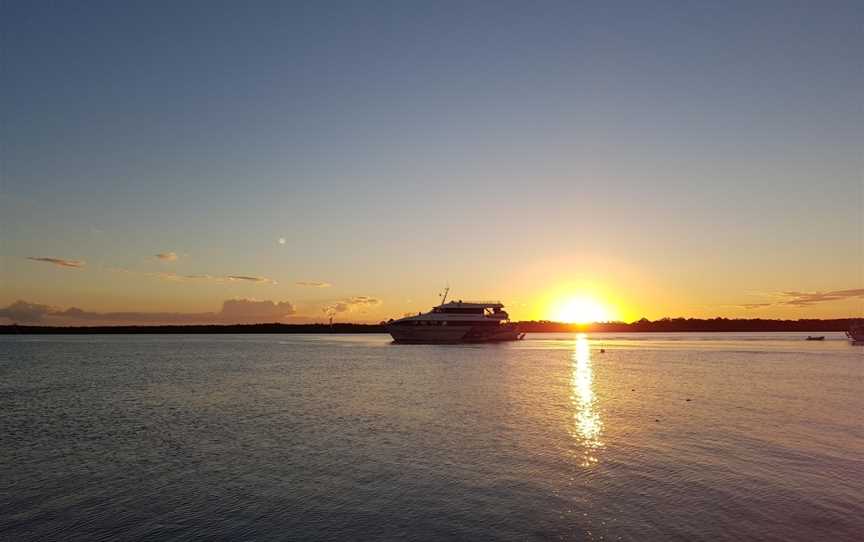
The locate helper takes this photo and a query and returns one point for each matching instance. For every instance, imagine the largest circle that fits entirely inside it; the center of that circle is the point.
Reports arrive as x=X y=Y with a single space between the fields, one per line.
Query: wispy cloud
x=174 y=277
x=313 y=284
x=805 y=299
x=171 y=276
x=350 y=304
x=167 y=256
x=233 y=311
x=754 y=305
x=246 y=278
x=59 y=262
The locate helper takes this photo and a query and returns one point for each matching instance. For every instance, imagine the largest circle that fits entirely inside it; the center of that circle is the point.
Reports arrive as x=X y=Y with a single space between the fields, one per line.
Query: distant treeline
x=204 y=328
x=694 y=324
x=541 y=326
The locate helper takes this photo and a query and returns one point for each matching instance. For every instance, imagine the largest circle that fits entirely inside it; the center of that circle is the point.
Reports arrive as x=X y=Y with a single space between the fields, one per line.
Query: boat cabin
x=485 y=308
x=461 y=313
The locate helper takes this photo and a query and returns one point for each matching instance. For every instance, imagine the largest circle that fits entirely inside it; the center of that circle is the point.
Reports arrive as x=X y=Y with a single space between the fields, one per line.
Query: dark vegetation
x=541 y=326
x=202 y=328
x=695 y=324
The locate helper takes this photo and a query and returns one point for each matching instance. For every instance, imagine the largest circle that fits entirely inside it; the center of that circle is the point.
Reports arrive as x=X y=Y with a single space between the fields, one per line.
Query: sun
x=582 y=310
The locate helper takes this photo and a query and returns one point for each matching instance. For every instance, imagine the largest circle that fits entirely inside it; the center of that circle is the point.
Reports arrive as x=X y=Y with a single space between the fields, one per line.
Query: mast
x=444 y=295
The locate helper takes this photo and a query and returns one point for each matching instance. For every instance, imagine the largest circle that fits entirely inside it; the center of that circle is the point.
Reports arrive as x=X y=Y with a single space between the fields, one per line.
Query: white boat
x=456 y=322
x=856 y=333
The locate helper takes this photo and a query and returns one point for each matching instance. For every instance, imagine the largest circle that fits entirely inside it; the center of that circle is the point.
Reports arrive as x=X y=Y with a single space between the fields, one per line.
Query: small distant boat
x=819 y=338
x=856 y=333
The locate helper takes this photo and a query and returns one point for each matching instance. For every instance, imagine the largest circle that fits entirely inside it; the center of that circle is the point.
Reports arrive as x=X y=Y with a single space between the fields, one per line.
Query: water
x=275 y=437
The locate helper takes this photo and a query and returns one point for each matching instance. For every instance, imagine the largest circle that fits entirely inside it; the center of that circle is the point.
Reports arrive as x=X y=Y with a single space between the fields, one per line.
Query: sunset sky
x=238 y=162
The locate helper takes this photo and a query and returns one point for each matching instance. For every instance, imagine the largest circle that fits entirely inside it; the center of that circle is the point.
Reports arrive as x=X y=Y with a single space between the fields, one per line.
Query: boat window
x=464 y=311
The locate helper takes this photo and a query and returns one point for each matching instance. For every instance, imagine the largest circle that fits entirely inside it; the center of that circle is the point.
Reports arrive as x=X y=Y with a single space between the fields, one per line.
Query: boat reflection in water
x=587 y=425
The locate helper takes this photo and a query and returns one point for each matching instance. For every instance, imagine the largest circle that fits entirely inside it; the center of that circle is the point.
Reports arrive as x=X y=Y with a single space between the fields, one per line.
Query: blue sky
x=669 y=158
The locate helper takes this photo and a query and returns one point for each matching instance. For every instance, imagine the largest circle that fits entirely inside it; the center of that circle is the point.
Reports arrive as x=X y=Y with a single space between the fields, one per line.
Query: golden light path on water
x=587 y=425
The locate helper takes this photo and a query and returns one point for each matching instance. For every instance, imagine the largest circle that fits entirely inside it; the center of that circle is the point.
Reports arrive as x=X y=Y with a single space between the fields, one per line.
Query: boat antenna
x=443 y=295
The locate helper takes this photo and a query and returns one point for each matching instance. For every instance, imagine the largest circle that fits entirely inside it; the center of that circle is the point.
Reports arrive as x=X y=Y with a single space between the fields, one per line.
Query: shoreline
x=675 y=325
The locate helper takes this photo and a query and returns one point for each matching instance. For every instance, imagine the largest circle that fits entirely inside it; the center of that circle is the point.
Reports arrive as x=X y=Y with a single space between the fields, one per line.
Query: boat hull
x=427 y=335
x=453 y=334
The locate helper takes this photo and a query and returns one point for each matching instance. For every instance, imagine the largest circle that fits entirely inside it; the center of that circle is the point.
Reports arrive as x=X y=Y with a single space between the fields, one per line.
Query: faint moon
x=281 y=240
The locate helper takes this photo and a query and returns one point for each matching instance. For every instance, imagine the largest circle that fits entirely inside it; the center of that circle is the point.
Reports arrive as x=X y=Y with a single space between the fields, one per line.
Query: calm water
x=275 y=437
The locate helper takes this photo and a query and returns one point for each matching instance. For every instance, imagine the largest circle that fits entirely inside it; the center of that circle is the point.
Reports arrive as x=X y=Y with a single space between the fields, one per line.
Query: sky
x=289 y=161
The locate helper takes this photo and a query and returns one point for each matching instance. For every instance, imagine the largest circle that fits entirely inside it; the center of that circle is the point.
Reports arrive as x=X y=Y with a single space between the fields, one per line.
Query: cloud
x=22 y=311
x=233 y=311
x=174 y=277
x=246 y=309
x=350 y=304
x=60 y=262
x=198 y=276
x=805 y=299
x=313 y=284
x=167 y=256
x=262 y=280
x=171 y=276
x=755 y=305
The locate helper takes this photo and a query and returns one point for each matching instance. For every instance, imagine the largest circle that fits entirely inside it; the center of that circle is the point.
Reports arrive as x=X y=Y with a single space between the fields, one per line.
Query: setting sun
x=582 y=310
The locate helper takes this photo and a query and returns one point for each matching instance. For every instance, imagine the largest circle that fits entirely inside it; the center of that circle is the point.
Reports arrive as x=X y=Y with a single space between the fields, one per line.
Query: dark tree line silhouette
x=202 y=328
x=694 y=324
x=536 y=326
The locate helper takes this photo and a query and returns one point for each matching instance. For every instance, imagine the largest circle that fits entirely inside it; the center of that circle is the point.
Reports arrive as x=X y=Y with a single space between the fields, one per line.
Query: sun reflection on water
x=587 y=425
